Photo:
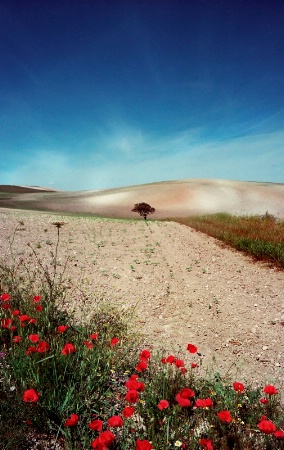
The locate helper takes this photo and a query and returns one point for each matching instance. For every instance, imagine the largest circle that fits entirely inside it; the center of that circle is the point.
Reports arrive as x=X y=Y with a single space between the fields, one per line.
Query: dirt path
x=185 y=287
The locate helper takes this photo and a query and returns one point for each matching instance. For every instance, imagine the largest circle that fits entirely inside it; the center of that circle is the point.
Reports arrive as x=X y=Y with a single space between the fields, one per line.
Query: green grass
x=260 y=236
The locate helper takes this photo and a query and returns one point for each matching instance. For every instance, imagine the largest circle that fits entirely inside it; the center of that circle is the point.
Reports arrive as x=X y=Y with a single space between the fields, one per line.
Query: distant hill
x=169 y=198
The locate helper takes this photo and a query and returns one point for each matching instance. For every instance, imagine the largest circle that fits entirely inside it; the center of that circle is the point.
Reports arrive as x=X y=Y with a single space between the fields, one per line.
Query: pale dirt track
x=186 y=288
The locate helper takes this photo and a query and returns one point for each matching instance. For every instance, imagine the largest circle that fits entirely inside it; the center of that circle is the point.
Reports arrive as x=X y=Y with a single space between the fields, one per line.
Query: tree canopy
x=143 y=209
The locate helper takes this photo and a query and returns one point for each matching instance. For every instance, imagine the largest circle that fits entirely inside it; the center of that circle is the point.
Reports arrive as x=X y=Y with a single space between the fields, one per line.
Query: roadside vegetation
x=260 y=236
x=69 y=386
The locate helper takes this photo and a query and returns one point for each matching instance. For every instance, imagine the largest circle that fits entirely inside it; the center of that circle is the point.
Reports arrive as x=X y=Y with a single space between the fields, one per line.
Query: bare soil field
x=182 y=286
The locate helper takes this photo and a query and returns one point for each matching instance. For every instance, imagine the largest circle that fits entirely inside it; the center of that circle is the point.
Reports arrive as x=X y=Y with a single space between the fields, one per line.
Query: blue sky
x=96 y=94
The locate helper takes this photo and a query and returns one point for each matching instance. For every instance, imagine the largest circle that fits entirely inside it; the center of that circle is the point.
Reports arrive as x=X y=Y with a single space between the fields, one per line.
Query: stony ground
x=182 y=286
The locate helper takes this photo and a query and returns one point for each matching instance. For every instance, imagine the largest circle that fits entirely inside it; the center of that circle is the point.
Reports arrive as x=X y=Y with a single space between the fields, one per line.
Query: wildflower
x=94 y=336
x=62 y=328
x=266 y=426
x=24 y=318
x=72 y=421
x=32 y=321
x=42 y=347
x=183 y=397
x=17 y=339
x=170 y=359
x=88 y=344
x=31 y=350
x=183 y=370
x=37 y=298
x=5 y=297
x=270 y=390
x=225 y=416
x=145 y=354
x=34 y=338
x=96 y=425
x=13 y=328
x=6 y=323
x=204 y=403
x=142 y=365
x=163 y=404
x=39 y=307
x=193 y=365
x=133 y=384
x=128 y=411
x=6 y=306
x=179 y=363
x=178 y=444
x=143 y=445
x=30 y=396
x=67 y=349
x=191 y=348
x=16 y=312
x=164 y=360
x=264 y=401
x=206 y=443
x=279 y=434
x=103 y=440
x=114 y=341
x=132 y=396
x=115 y=421
x=238 y=387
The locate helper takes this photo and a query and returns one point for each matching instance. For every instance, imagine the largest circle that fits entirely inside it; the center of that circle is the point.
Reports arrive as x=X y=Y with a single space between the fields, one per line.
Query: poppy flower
x=134 y=385
x=270 y=390
x=142 y=365
x=106 y=438
x=32 y=321
x=132 y=396
x=183 y=397
x=114 y=341
x=225 y=416
x=6 y=306
x=206 y=443
x=94 y=336
x=266 y=426
x=143 y=445
x=96 y=425
x=72 y=421
x=193 y=365
x=88 y=344
x=145 y=354
x=115 y=421
x=191 y=348
x=238 y=387
x=24 y=318
x=34 y=338
x=264 y=401
x=30 y=396
x=62 y=328
x=13 y=328
x=37 y=298
x=67 y=349
x=17 y=339
x=128 y=411
x=204 y=403
x=16 y=312
x=163 y=404
x=183 y=370
x=187 y=393
x=39 y=307
x=5 y=297
x=42 y=347
x=279 y=434
x=31 y=350
x=170 y=359
x=179 y=363
x=164 y=360
x=6 y=323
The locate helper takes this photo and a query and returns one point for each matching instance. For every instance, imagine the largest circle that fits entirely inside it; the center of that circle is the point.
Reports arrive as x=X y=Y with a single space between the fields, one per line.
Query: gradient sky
x=96 y=94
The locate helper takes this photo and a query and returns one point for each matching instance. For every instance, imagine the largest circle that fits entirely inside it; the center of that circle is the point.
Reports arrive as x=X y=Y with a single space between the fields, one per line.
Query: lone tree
x=143 y=209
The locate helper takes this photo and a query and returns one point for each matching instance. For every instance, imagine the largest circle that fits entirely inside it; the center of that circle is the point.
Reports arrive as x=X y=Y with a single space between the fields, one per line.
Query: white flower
x=178 y=444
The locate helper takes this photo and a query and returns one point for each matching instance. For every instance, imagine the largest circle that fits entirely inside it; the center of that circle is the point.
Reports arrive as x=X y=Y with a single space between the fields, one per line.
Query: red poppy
x=106 y=438
x=5 y=297
x=34 y=338
x=145 y=354
x=170 y=359
x=96 y=425
x=193 y=365
x=179 y=363
x=32 y=321
x=143 y=445
x=183 y=397
x=39 y=307
x=30 y=396
x=96 y=444
x=42 y=347
x=115 y=421
x=114 y=341
x=164 y=360
x=204 y=403
x=266 y=426
x=225 y=416
x=16 y=312
x=183 y=370
x=37 y=298
x=279 y=434
x=94 y=336
x=187 y=393
x=24 y=318
x=142 y=365
x=31 y=350
x=206 y=443
x=67 y=349
x=128 y=411
x=238 y=387
x=6 y=306
x=72 y=421
x=264 y=401
x=88 y=344
x=132 y=396
x=62 y=328
x=134 y=385
x=191 y=348
x=6 y=323
x=17 y=339
x=163 y=404
x=270 y=390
